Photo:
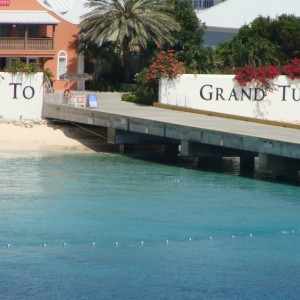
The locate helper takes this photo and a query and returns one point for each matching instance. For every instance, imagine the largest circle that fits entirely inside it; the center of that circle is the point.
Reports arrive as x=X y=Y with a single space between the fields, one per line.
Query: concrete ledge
x=227 y=116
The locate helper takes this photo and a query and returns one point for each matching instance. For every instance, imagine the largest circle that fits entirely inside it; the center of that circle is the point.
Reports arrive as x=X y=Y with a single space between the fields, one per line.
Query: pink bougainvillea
x=164 y=65
x=265 y=74
x=292 y=69
x=262 y=75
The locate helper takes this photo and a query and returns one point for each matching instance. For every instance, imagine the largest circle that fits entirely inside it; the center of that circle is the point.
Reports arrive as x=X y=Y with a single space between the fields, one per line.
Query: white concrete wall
x=220 y=93
x=21 y=96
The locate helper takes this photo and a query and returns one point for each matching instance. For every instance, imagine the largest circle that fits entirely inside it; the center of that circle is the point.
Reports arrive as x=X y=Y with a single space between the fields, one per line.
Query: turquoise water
x=105 y=226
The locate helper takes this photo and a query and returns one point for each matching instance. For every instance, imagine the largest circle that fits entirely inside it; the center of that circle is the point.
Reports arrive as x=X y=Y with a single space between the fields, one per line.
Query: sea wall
x=222 y=94
x=21 y=95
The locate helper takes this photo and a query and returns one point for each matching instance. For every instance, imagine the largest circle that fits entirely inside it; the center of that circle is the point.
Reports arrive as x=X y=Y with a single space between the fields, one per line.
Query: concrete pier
x=199 y=136
x=279 y=167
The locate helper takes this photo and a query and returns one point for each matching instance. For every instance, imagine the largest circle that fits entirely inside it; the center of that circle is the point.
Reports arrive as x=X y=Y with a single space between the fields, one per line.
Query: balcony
x=37 y=44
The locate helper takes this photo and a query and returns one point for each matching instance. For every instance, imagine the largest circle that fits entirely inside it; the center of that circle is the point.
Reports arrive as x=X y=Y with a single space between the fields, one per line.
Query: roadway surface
x=111 y=103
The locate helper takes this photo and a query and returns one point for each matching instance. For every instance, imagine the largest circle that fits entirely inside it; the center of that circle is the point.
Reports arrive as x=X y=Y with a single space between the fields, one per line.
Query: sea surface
x=106 y=226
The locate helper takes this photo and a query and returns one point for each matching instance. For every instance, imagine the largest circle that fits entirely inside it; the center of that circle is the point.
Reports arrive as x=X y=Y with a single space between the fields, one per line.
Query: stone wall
x=222 y=94
x=21 y=95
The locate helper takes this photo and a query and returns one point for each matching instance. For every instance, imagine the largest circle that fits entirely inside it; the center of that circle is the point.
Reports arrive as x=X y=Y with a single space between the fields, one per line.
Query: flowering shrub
x=263 y=75
x=146 y=92
x=164 y=65
x=292 y=69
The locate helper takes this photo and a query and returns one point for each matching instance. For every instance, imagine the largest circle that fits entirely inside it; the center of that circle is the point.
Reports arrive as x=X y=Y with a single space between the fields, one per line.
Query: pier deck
x=193 y=131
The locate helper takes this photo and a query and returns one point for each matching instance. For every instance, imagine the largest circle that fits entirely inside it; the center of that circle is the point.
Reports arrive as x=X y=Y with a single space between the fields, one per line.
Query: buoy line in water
x=166 y=242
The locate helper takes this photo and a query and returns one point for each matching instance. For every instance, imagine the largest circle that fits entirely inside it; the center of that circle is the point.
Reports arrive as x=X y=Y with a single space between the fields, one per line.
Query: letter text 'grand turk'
x=222 y=94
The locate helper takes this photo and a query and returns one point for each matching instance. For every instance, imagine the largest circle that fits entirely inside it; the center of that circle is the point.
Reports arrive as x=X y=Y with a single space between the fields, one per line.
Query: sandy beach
x=47 y=137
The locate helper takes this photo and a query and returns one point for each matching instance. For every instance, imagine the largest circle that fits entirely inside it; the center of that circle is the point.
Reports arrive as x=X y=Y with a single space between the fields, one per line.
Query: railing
x=26 y=44
x=59 y=97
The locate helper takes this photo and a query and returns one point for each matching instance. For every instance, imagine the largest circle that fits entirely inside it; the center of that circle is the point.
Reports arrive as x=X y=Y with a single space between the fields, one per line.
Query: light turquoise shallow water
x=105 y=198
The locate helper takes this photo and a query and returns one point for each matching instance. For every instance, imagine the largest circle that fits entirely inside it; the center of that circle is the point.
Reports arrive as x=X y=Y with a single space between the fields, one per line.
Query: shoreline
x=45 y=136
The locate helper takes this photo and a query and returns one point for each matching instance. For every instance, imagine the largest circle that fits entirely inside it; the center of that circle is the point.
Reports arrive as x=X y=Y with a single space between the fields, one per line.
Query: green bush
x=146 y=92
x=126 y=87
x=20 y=66
x=129 y=97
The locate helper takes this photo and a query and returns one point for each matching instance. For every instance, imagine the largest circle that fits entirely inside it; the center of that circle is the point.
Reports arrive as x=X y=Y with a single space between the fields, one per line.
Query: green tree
x=256 y=51
x=265 y=41
x=286 y=34
x=101 y=60
x=189 y=47
x=191 y=32
x=129 y=22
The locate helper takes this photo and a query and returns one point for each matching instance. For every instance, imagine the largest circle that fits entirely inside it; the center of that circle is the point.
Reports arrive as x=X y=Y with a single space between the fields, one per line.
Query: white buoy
x=8 y=245
x=210 y=238
x=64 y=244
x=93 y=244
x=232 y=236
x=251 y=235
x=190 y=239
x=142 y=243
x=116 y=243
x=45 y=245
x=167 y=242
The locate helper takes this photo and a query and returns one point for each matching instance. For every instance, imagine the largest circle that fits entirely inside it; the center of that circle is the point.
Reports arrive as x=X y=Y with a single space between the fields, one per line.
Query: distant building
x=224 y=20
x=60 y=6
x=37 y=31
x=203 y=4
x=69 y=10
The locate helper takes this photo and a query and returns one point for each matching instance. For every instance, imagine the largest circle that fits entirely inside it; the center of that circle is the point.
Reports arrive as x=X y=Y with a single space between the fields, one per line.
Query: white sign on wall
x=221 y=94
x=21 y=95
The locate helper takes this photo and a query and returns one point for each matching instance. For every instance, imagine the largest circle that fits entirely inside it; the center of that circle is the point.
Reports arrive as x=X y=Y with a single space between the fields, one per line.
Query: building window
x=202 y=4
x=208 y=3
x=61 y=63
x=5 y=30
x=32 y=60
x=196 y=4
x=26 y=60
x=33 y=31
x=16 y=59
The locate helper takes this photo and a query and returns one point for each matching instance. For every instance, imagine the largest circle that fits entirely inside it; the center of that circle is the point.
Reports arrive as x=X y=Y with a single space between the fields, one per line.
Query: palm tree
x=129 y=21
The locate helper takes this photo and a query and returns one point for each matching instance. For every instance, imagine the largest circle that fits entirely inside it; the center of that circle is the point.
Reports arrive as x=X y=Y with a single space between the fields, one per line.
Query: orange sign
x=80 y=100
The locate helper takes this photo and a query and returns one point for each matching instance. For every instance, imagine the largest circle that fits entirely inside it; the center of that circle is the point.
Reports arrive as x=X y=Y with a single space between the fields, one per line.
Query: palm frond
x=143 y=20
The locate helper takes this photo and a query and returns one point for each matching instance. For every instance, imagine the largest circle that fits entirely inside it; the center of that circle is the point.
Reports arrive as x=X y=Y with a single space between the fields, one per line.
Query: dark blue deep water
x=105 y=226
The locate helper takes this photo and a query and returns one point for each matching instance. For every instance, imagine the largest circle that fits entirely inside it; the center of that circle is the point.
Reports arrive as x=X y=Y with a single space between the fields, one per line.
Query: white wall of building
x=21 y=96
x=221 y=94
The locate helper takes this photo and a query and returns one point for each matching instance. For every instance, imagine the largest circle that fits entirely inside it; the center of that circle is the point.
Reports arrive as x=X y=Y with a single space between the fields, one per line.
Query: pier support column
x=247 y=163
x=196 y=150
x=279 y=167
x=122 y=139
x=202 y=155
x=111 y=135
x=126 y=148
x=171 y=151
